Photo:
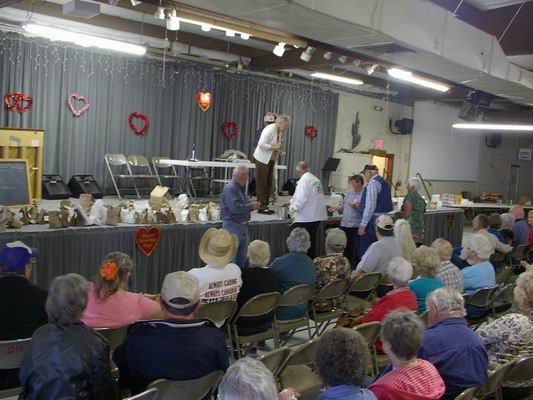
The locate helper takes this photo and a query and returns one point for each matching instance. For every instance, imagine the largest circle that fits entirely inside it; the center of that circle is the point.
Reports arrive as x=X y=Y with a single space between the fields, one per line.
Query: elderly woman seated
x=510 y=336
x=448 y=273
x=411 y=378
x=342 y=359
x=110 y=304
x=480 y=273
x=495 y=224
x=294 y=268
x=426 y=263
x=67 y=360
x=506 y=227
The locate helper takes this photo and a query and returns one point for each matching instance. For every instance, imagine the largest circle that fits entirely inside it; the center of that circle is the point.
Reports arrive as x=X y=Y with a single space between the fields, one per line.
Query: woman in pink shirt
x=110 y=304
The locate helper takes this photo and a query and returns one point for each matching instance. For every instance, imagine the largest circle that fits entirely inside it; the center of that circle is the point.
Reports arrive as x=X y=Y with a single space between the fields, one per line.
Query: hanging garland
x=146 y=123
x=14 y=101
x=78 y=97
x=311 y=132
x=229 y=129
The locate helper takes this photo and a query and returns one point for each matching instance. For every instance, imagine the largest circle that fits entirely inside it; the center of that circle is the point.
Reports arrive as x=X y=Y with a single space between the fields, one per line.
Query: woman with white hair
x=480 y=273
x=404 y=236
x=67 y=360
x=294 y=268
x=413 y=209
x=506 y=228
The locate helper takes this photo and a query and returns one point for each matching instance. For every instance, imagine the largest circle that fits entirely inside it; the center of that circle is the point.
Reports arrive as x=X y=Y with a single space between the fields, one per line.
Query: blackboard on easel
x=14 y=183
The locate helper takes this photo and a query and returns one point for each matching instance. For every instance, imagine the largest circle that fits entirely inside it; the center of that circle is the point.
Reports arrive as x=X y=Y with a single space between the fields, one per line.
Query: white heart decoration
x=78 y=97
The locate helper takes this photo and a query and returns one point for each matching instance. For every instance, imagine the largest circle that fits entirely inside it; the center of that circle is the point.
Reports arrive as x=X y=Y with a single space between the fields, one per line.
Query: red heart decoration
x=204 y=100
x=79 y=97
x=14 y=100
x=146 y=123
x=147 y=239
x=229 y=125
x=311 y=132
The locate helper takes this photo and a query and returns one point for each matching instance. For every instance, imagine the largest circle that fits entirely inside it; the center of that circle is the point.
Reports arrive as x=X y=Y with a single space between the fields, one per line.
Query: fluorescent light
x=279 y=50
x=245 y=36
x=337 y=78
x=84 y=40
x=417 y=80
x=135 y=3
x=206 y=28
x=328 y=55
x=230 y=33
x=370 y=69
x=343 y=59
x=493 y=127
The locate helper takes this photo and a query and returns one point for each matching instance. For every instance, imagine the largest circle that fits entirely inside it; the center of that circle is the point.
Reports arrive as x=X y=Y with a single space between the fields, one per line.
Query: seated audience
x=379 y=254
x=110 y=304
x=65 y=359
x=450 y=345
x=342 y=361
x=402 y=233
x=511 y=336
x=21 y=302
x=333 y=265
x=294 y=268
x=480 y=273
x=507 y=224
x=257 y=279
x=399 y=273
x=220 y=279
x=411 y=378
x=480 y=224
x=495 y=225
x=180 y=347
x=519 y=228
x=448 y=273
x=426 y=263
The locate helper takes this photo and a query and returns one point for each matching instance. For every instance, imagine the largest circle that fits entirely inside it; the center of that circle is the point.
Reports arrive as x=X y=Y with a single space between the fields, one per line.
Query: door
x=385 y=164
x=512 y=183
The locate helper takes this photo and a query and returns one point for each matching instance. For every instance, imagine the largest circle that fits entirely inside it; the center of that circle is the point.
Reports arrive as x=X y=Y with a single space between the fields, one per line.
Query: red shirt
x=530 y=239
x=397 y=298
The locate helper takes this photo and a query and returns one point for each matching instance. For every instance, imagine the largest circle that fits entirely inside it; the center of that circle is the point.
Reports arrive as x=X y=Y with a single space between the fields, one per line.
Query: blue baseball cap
x=15 y=256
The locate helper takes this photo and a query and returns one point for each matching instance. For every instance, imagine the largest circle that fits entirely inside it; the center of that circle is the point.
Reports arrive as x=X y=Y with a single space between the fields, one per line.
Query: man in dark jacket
x=21 y=303
x=180 y=347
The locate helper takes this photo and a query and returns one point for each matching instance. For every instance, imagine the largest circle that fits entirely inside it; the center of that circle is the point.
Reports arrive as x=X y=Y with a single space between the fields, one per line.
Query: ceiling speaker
x=494 y=140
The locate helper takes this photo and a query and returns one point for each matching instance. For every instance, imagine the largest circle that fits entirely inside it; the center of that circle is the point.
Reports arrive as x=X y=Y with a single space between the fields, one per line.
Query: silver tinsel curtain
x=117 y=85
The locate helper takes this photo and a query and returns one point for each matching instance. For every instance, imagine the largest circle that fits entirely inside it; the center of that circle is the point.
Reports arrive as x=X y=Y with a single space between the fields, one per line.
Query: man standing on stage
x=308 y=206
x=268 y=149
x=235 y=209
x=375 y=201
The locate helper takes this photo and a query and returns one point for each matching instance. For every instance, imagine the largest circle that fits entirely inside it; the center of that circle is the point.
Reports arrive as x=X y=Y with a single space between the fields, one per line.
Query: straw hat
x=218 y=247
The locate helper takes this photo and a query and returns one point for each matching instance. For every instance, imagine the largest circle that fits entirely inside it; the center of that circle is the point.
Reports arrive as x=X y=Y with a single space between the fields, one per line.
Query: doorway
x=385 y=163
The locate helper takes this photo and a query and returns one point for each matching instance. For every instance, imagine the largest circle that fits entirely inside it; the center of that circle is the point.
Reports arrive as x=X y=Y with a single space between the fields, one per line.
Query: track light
x=206 y=28
x=327 y=55
x=337 y=78
x=370 y=69
x=230 y=33
x=245 y=36
x=356 y=62
x=307 y=54
x=279 y=50
x=343 y=59
x=408 y=76
x=160 y=13
x=173 y=22
x=135 y=3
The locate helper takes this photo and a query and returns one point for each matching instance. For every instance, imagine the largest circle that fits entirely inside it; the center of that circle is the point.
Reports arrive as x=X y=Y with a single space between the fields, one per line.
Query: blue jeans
x=368 y=238
x=241 y=231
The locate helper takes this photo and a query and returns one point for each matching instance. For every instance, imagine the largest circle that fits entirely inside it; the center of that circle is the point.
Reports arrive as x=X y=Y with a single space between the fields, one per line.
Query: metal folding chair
x=168 y=173
x=361 y=289
x=220 y=313
x=371 y=331
x=119 y=161
x=334 y=292
x=467 y=394
x=295 y=296
x=275 y=360
x=12 y=353
x=494 y=382
x=150 y=394
x=194 y=389
x=141 y=169
x=299 y=371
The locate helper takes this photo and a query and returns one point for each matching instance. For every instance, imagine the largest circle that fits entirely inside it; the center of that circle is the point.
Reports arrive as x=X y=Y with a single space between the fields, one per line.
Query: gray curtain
x=117 y=85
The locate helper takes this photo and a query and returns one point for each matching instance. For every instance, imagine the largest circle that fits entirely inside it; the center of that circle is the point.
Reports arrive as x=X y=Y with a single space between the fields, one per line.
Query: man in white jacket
x=308 y=206
x=265 y=155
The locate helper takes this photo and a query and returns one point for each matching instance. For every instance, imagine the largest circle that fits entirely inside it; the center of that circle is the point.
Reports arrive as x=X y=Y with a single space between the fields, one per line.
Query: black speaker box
x=290 y=186
x=54 y=188
x=81 y=184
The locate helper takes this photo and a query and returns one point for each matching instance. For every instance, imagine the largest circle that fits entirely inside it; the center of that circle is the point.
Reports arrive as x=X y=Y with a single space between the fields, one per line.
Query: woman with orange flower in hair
x=110 y=304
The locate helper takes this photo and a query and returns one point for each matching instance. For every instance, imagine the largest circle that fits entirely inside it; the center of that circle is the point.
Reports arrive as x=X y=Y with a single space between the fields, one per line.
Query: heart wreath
x=311 y=132
x=78 y=97
x=229 y=129
x=14 y=101
x=146 y=123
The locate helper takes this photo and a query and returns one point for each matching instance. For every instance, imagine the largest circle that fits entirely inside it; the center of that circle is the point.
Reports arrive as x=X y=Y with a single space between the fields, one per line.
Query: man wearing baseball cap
x=376 y=200
x=180 y=347
x=380 y=253
x=21 y=302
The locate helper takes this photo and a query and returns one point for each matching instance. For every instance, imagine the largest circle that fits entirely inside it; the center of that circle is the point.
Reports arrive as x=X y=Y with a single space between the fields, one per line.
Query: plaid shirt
x=328 y=268
x=372 y=189
x=450 y=275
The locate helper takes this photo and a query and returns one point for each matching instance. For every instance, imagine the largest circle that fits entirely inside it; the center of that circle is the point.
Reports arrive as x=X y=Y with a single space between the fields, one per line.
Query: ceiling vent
x=384 y=48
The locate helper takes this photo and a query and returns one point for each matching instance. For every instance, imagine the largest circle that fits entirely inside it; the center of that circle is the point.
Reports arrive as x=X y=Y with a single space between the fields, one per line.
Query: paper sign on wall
x=525 y=154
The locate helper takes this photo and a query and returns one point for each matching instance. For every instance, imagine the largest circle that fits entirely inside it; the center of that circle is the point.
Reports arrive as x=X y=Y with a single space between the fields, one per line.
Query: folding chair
x=220 y=313
x=119 y=161
x=140 y=169
x=194 y=389
x=502 y=301
x=361 y=289
x=150 y=394
x=518 y=254
x=12 y=353
x=482 y=300
x=295 y=296
x=159 y=163
x=371 y=331
x=334 y=292
x=275 y=360
x=494 y=382
x=298 y=371
x=522 y=370
x=467 y=394
x=258 y=306
x=115 y=336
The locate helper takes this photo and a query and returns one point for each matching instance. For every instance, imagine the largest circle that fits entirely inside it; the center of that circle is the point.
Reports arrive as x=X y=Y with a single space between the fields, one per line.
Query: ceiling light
x=408 y=76
x=307 y=54
x=84 y=40
x=206 y=28
x=230 y=33
x=343 y=59
x=279 y=50
x=135 y=3
x=173 y=23
x=328 y=55
x=356 y=62
x=245 y=36
x=370 y=69
x=493 y=127
x=160 y=13
x=337 y=78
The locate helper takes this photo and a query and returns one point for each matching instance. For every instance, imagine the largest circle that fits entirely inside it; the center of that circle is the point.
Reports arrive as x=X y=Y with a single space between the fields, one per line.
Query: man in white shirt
x=265 y=155
x=308 y=206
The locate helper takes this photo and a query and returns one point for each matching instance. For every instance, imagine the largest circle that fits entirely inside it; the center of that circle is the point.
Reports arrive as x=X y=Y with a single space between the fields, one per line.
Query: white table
x=482 y=205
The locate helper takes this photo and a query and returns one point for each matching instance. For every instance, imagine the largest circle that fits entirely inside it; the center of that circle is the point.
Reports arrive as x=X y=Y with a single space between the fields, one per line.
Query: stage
x=81 y=249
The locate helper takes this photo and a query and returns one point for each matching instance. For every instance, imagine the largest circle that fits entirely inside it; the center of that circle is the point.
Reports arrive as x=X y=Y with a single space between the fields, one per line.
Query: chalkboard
x=14 y=183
